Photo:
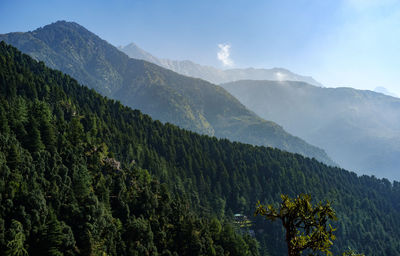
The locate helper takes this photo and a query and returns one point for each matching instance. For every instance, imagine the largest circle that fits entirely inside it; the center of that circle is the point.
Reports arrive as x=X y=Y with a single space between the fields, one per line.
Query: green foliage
x=306 y=226
x=17 y=240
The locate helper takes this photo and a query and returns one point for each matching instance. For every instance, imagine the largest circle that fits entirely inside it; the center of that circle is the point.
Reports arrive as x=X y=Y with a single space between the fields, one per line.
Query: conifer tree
x=33 y=141
x=16 y=244
x=54 y=236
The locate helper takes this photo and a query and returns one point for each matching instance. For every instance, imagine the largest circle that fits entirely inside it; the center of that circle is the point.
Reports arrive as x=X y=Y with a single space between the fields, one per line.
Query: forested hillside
x=63 y=192
x=360 y=129
x=62 y=186
x=190 y=103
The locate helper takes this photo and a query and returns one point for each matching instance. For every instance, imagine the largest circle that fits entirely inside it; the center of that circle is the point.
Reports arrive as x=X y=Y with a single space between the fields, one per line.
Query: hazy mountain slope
x=215 y=75
x=359 y=129
x=167 y=96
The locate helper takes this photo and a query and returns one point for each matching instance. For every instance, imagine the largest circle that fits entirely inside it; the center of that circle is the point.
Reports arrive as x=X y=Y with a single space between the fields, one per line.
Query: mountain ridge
x=215 y=75
x=162 y=93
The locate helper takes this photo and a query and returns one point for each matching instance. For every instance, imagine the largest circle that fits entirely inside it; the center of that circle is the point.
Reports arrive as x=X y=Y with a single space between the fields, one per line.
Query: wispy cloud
x=224 y=54
x=280 y=76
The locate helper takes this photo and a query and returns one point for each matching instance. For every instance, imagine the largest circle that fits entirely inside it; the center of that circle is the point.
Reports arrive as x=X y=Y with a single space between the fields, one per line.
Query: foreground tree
x=307 y=226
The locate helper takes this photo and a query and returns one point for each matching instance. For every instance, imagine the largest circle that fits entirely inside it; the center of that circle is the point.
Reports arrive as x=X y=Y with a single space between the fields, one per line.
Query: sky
x=353 y=43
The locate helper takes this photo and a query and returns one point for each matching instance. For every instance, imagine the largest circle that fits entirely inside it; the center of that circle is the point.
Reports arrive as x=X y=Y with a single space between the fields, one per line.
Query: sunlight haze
x=352 y=43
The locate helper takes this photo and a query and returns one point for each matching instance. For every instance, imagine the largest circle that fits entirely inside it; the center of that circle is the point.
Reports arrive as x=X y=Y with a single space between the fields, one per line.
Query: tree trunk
x=291 y=250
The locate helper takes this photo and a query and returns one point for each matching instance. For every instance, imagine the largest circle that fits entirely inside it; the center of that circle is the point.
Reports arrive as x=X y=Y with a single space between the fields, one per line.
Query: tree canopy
x=306 y=226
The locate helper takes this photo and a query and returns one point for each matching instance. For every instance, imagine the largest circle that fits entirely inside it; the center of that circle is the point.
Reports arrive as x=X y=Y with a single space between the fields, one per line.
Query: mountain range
x=360 y=129
x=214 y=75
x=191 y=103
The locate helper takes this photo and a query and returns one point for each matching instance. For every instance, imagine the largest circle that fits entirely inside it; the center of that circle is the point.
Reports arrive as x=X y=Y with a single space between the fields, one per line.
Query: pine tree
x=54 y=236
x=16 y=244
x=4 y=128
x=13 y=158
x=33 y=140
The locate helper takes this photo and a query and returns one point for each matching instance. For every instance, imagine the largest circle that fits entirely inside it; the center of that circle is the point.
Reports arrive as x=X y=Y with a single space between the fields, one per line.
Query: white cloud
x=280 y=76
x=224 y=54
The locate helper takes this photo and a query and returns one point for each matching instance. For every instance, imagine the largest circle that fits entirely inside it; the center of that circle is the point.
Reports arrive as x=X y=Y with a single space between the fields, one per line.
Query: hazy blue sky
x=339 y=42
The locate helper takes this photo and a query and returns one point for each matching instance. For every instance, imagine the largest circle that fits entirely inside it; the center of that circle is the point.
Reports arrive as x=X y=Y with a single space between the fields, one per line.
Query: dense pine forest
x=62 y=192
x=84 y=175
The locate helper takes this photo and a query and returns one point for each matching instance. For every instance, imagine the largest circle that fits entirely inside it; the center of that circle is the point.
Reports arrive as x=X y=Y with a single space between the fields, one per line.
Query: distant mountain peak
x=64 y=24
x=215 y=75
